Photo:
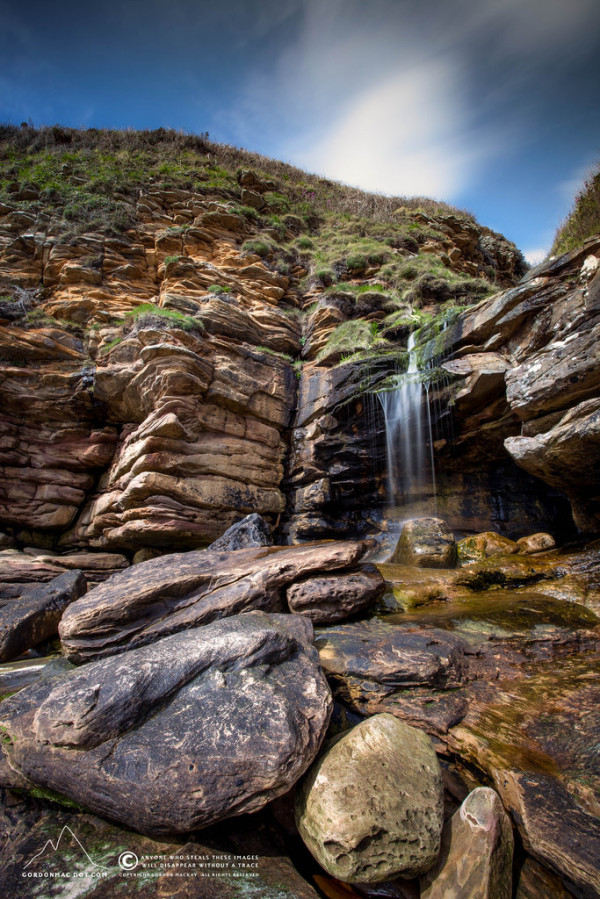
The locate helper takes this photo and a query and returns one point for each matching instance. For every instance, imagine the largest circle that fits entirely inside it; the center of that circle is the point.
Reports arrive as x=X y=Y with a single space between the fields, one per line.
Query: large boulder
x=426 y=543
x=200 y=726
x=26 y=621
x=183 y=590
x=371 y=807
x=476 y=854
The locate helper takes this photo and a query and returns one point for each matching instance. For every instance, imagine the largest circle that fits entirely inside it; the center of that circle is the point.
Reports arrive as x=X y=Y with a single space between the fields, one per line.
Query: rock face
x=199 y=726
x=426 y=543
x=371 y=807
x=183 y=590
x=25 y=622
x=545 y=409
x=476 y=853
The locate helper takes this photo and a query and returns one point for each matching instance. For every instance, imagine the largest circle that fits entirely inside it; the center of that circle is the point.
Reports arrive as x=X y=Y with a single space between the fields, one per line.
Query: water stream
x=409 y=441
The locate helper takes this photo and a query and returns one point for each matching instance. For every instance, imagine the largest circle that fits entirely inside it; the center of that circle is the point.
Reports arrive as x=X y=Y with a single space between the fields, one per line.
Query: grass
x=583 y=220
x=149 y=313
x=107 y=162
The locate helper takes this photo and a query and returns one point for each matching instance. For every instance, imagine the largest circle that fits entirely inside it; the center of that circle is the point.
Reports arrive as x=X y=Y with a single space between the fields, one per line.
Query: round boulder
x=535 y=543
x=484 y=546
x=371 y=807
x=426 y=543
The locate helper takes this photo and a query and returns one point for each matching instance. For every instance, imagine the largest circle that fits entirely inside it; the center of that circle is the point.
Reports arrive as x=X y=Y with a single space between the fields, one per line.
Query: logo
x=55 y=846
x=128 y=861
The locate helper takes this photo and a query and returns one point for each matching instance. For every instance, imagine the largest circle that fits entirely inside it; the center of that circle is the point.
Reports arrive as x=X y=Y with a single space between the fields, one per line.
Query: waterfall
x=410 y=468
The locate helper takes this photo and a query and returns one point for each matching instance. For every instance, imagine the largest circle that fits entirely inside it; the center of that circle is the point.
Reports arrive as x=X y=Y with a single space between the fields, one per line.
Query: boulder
x=535 y=543
x=483 y=546
x=252 y=530
x=371 y=807
x=200 y=726
x=184 y=590
x=26 y=621
x=334 y=597
x=426 y=543
x=476 y=854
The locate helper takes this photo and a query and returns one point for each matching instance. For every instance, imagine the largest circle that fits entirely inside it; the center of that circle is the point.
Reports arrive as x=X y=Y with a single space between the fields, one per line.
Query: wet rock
x=476 y=852
x=182 y=590
x=378 y=667
x=326 y=600
x=250 y=531
x=25 y=622
x=535 y=543
x=371 y=807
x=483 y=546
x=426 y=543
x=536 y=882
x=200 y=726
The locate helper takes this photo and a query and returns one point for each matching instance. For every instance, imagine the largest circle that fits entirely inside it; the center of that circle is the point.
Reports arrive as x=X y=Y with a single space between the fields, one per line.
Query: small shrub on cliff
x=218 y=288
x=259 y=247
x=149 y=314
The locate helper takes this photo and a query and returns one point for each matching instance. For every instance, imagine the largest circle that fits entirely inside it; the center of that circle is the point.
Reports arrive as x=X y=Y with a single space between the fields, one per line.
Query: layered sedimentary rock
x=183 y=590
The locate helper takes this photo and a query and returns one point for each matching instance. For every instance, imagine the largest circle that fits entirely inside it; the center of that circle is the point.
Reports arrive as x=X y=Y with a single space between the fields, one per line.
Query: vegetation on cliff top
x=584 y=219
x=379 y=258
x=52 y=159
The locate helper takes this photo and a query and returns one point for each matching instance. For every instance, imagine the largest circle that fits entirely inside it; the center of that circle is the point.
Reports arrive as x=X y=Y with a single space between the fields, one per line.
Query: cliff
x=189 y=333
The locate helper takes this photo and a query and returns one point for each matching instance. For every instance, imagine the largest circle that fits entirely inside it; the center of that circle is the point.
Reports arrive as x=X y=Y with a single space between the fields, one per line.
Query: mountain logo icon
x=63 y=838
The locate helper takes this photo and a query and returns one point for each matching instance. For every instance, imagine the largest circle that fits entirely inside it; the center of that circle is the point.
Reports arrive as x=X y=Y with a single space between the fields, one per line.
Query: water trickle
x=410 y=466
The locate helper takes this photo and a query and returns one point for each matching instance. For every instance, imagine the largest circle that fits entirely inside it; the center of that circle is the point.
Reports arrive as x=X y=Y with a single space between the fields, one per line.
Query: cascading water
x=410 y=468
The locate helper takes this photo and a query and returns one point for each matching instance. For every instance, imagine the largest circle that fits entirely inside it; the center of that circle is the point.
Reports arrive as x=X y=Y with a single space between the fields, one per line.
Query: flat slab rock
x=376 y=667
x=183 y=590
x=169 y=738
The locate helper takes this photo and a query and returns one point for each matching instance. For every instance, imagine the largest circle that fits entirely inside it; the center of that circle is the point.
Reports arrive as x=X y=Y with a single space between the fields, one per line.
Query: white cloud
x=407 y=135
x=535 y=256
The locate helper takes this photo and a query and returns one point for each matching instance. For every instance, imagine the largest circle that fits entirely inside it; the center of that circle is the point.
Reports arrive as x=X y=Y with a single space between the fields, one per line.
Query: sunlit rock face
x=164 y=375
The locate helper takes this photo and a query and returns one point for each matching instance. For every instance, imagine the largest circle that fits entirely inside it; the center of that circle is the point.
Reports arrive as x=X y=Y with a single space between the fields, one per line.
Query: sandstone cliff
x=189 y=333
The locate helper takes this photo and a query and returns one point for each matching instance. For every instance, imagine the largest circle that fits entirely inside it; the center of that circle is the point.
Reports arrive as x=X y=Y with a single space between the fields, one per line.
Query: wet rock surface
x=397 y=829
x=426 y=543
x=172 y=737
x=178 y=591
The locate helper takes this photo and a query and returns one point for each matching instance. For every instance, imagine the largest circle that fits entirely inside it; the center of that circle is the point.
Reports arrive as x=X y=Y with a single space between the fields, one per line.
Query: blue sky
x=488 y=104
